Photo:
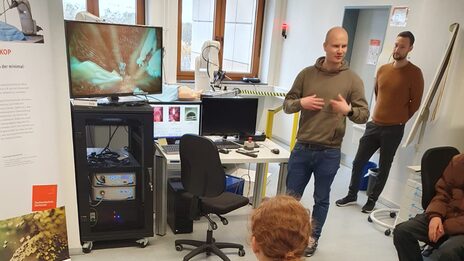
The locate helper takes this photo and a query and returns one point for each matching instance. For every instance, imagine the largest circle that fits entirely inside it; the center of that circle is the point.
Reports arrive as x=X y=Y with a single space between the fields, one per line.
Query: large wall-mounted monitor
x=172 y=120
x=229 y=116
x=113 y=59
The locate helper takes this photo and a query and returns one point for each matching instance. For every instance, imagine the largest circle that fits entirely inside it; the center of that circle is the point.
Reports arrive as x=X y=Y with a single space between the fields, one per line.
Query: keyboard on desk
x=174 y=148
x=171 y=148
x=225 y=144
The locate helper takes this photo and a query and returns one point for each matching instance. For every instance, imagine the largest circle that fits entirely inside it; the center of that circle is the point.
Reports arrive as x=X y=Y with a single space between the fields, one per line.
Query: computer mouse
x=275 y=151
x=224 y=151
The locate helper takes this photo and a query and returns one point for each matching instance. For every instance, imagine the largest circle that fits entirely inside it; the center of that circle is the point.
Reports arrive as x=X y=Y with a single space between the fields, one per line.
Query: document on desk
x=162 y=141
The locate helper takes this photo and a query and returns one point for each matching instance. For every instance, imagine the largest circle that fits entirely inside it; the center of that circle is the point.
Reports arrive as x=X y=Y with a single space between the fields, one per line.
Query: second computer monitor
x=172 y=120
x=229 y=116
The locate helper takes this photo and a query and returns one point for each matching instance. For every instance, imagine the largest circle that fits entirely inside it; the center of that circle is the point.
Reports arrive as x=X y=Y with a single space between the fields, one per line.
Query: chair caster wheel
x=179 y=247
x=241 y=252
x=225 y=222
x=387 y=232
x=392 y=214
x=142 y=242
x=369 y=219
x=214 y=226
x=87 y=247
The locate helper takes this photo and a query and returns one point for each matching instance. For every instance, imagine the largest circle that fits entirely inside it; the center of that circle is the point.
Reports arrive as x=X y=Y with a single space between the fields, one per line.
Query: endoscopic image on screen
x=191 y=113
x=157 y=114
x=174 y=113
x=109 y=59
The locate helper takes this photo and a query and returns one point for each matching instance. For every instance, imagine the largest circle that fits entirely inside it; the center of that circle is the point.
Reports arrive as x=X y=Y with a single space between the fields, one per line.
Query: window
x=112 y=11
x=236 y=24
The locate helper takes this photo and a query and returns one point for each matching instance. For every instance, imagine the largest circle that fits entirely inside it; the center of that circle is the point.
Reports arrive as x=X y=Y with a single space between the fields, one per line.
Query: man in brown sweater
x=443 y=221
x=398 y=89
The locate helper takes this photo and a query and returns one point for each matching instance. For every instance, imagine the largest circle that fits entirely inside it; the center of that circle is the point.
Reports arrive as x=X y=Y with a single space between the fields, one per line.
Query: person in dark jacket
x=442 y=224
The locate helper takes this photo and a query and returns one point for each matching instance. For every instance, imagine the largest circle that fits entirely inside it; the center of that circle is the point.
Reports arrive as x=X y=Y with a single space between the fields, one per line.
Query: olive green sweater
x=326 y=127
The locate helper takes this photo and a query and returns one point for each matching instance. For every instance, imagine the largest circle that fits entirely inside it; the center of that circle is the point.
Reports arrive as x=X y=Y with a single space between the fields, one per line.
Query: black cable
x=208 y=62
x=207 y=59
x=111 y=137
x=106 y=157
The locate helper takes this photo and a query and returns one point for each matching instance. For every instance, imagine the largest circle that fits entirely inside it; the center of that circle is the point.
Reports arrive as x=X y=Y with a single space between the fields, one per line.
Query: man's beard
x=398 y=57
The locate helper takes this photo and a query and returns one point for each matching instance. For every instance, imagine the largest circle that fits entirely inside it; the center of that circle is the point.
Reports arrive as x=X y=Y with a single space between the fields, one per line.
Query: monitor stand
x=113 y=99
x=109 y=101
x=173 y=140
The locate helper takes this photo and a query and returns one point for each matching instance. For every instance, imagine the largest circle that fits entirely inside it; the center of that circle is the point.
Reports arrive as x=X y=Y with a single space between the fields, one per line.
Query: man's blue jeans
x=324 y=163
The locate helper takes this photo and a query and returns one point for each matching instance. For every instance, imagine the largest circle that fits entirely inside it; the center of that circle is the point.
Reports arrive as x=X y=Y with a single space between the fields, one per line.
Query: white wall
x=429 y=21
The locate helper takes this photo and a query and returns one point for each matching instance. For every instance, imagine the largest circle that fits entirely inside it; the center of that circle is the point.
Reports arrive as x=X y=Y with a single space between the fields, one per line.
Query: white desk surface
x=264 y=155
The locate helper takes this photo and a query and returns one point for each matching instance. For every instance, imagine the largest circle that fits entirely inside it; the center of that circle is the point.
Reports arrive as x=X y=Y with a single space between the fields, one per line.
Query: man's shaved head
x=334 y=31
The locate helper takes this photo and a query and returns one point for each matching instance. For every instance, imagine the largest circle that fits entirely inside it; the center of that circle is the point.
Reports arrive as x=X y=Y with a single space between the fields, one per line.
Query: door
x=366 y=28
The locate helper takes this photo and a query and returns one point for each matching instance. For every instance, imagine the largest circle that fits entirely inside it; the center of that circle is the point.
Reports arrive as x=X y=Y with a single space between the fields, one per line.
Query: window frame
x=93 y=7
x=218 y=31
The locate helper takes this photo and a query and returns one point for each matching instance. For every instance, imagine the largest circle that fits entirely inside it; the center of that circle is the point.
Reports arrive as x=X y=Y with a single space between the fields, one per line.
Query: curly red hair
x=281 y=228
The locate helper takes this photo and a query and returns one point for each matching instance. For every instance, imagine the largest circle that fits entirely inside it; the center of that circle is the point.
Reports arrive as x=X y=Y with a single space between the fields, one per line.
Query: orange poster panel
x=43 y=197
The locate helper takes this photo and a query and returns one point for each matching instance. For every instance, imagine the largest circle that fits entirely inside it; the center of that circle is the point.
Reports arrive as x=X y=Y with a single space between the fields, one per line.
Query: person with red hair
x=280 y=229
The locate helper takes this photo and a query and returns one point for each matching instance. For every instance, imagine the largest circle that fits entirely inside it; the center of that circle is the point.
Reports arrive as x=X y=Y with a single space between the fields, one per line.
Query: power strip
x=113 y=179
x=113 y=193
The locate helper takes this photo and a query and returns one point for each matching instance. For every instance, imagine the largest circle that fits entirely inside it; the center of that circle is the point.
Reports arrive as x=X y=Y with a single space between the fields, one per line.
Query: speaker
x=178 y=208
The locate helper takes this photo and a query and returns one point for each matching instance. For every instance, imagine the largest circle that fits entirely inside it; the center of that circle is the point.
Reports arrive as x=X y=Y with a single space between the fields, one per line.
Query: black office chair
x=204 y=180
x=433 y=164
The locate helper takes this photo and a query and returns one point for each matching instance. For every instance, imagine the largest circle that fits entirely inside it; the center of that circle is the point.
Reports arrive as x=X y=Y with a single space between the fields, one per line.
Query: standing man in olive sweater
x=399 y=86
x=326 y=94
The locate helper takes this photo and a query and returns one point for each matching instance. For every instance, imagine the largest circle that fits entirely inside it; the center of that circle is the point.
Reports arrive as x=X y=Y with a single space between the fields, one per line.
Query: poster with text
x=29 y=148
x=373 y=52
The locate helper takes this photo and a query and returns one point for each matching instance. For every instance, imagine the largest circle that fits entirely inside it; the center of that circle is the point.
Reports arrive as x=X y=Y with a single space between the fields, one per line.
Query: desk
x=165 y=162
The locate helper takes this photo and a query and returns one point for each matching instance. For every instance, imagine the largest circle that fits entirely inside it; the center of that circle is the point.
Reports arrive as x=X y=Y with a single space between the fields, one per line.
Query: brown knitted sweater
x=398 y=94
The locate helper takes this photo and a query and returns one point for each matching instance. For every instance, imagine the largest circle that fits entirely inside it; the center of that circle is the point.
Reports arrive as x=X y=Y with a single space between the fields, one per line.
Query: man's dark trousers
x=387 y=138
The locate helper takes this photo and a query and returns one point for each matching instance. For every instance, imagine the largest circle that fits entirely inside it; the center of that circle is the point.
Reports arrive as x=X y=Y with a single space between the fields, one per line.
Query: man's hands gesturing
x=312 y=103
x=340 y=105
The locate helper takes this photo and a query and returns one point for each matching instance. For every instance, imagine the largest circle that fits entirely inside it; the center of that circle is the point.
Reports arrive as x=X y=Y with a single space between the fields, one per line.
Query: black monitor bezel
x=73 y=96
x=241 y=135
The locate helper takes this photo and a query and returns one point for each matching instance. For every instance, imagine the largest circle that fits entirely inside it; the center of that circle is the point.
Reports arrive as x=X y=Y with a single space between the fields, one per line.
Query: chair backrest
x=202 y=173
x=434 y=162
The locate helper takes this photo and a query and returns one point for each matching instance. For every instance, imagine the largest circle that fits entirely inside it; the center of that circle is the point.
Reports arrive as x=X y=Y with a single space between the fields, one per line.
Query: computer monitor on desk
x=172 y=120
x=229 y=116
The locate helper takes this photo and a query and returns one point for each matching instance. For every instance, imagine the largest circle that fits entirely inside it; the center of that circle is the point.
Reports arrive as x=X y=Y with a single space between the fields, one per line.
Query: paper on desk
x=162 y=141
